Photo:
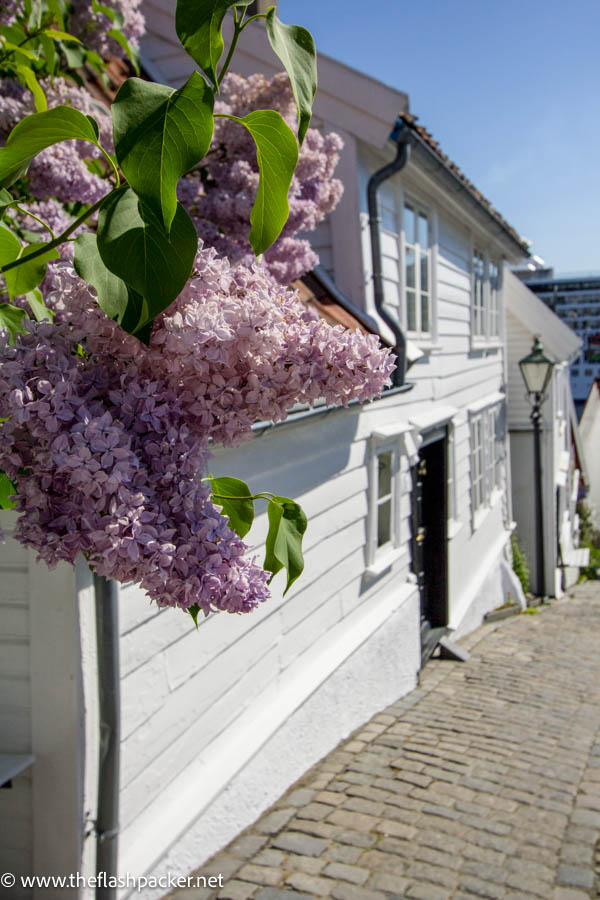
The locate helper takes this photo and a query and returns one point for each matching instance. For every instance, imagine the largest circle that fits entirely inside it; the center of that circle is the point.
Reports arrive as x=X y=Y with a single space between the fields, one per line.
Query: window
x=417 y=268
x=407 y=229
x=494 y=280
x=477 y=462
x=384 y=497
x=384 y=490
x=487 y=454
x=393 y=449
x=478 y=294
x=486 y=286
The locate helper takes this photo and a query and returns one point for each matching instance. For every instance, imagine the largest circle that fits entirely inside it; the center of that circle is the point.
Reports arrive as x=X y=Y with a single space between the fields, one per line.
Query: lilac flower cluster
x=221 y=200
x=61 y=170
x=106 y=438
x=9 y=10
x=92 y=28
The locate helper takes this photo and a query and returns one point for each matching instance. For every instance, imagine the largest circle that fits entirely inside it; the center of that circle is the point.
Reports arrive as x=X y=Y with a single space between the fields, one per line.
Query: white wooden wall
x=15 y=702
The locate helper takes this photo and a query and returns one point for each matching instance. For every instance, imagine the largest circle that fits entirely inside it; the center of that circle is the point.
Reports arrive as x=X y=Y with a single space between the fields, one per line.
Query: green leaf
x=56 y=8
x=28 y=275
x=134 y=246
x=60 y=35
x=11 y=319
x=113 y=293
x=9 y=47
x=10 y=245
x=33 y=11
x=236 y=501
x=114 y=15
x=75 y=56
x=6 y=200
x=277 y=157
x=39 y=98
x=194 y=612
x=295 y=48
x=160 y=134
x=6 y=489
x=287 y=524
x=131 y=52
x=38 y=307
x=50 y=54
x=198 y=26
x=38 y=131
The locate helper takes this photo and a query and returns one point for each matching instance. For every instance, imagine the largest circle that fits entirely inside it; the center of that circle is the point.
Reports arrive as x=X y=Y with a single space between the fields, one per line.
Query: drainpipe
x=107 y=821
x=402 y=137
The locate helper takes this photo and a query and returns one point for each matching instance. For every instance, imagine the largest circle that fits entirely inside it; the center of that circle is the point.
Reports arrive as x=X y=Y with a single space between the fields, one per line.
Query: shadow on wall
x=293 y=458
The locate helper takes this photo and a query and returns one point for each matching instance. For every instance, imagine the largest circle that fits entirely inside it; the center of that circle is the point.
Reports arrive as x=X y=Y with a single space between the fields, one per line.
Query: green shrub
x=589 y=536
x=520 y=565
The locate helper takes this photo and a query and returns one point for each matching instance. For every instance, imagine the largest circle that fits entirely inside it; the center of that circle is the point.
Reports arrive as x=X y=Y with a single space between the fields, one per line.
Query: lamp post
x=536 y=370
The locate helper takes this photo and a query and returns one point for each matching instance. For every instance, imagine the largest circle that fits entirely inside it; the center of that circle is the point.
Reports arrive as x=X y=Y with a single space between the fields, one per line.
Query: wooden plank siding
x=15 y=701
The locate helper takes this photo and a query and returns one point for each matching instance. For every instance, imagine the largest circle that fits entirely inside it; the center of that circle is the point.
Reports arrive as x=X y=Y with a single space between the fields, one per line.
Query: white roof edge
x=558 y=339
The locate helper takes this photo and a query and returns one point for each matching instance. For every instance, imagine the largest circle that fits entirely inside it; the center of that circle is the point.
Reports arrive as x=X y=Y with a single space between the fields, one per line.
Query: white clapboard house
x=562 y=449
x=410 y=520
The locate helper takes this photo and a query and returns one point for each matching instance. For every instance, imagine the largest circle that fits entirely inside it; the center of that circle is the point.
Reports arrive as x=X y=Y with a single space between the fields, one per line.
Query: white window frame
x=486 y=457
x=391 y=201
x=419 y=209
x=486 y=298
x=402 y=443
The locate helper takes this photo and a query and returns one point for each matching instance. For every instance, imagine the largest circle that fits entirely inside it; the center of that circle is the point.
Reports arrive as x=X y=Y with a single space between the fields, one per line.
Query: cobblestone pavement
x=483 y=782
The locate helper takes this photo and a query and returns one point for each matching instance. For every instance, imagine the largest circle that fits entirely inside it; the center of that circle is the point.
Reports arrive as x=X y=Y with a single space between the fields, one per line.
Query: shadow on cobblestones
x=483 y=782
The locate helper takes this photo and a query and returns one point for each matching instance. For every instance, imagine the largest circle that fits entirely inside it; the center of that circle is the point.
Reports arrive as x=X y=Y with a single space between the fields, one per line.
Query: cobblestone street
x=483 y=782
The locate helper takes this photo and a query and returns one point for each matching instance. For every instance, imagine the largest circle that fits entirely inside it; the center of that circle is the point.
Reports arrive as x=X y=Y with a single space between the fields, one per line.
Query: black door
x=429 y=538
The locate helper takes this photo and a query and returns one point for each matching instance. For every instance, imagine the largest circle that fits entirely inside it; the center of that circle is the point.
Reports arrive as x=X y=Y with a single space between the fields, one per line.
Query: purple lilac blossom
x=59 y=171
x=93 y=27
x=220 y=203
x=9 y=10
x=113 y=440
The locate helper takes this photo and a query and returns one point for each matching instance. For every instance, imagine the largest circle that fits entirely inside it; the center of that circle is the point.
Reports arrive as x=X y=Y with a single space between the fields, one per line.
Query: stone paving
x=484 y=782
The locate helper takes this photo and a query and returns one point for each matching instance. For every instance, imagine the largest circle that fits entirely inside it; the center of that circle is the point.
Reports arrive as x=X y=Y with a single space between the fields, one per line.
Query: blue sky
x=510 y=89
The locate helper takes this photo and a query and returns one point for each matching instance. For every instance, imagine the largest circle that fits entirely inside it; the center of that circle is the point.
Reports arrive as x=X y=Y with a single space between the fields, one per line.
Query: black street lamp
x=536 y=370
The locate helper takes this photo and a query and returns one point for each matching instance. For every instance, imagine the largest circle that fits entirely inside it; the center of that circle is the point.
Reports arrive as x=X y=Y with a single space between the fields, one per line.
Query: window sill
x=486 y=344
x=454 y=527
x=385 y=561
x=424 y=342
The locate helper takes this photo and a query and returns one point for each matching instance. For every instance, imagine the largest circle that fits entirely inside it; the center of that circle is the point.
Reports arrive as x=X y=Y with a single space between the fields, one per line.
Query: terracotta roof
x=427 y=138
x=330 y=304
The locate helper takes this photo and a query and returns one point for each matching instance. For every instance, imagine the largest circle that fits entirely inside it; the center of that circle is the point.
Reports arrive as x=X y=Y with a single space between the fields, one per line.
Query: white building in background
x=589 y=428
x=575 y=298
x=562 y=455
x=409 y=524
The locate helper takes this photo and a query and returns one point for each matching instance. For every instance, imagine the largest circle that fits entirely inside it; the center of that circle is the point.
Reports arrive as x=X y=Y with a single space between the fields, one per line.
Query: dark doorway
x=429 y=538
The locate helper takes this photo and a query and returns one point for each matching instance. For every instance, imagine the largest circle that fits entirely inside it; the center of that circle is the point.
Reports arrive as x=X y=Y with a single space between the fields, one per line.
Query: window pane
x=411 y=311
x=493 y=276
x=389 y=245
x=424 y=312
x=384 y=523
x=424 y=272
x=391 y=293
x=390 y=268
x=478 y=265
x=389 y=219
x=409 y=224
x=410 y=267
x=423 y=231
x=384 y=484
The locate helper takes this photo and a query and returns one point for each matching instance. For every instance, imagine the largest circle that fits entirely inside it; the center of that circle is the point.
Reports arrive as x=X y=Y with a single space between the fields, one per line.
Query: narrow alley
x=483 y=782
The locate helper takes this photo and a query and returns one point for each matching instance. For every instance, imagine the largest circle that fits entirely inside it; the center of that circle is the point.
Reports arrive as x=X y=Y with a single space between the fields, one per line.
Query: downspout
x=107 y=819
x=402 y=137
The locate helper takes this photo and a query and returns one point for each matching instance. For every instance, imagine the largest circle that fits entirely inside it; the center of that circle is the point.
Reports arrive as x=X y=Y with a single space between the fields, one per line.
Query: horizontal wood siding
x=519 y=343
x=15 y=702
